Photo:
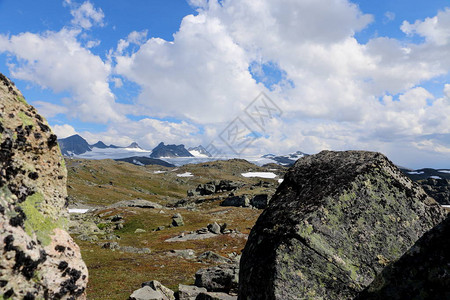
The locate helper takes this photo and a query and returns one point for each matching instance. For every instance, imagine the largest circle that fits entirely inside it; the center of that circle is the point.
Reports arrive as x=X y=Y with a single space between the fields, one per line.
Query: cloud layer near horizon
x=335 y=92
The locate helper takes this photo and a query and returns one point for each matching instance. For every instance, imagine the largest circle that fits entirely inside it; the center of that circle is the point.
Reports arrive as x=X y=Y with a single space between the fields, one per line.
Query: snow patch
x=78 y=210
x=280 y=180
x=444 y=171
x=187 y=174
x=416 y=173
x=268 y=175
x=435 y=177
x=159 y=172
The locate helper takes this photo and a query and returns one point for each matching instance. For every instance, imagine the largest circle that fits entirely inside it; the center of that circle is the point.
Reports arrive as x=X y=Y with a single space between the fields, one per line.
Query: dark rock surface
x=74 y=144
x=38 y=258
x=422 y=273
x=170 y=151
x=439 y=189
x=332 y=226
x=223 y=278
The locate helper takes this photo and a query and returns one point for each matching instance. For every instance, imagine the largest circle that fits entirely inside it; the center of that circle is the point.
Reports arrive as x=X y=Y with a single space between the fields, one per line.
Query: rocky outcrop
x=213 y=187
x=152 y=290
x=337 y=220
x=439 y=189
x=223 y=278
x=38 y=258
x=422 y=273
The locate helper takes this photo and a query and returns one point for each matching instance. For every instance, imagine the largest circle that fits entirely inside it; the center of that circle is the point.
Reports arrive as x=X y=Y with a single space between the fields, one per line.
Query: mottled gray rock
x=223 y=278
x=188 y=292
x=237 y=201
x=212 y=256
x=185 y=253
x=146 y=293
x=177 y=220
x=439 y=189
x=136 y=203
x=422 y=273
x=167 y=293
x=332 y=226
x=215 y=296
x=214 y=228
x=38 y=258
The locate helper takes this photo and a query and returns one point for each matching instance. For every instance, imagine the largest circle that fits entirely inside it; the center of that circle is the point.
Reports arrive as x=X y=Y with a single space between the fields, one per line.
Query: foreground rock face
x=38 y=258
x=422 y=273
x=334 y=224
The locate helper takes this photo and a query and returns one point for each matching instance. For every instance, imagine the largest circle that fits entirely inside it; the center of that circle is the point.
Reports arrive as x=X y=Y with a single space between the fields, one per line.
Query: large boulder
x=422 y=273
x=337 y=220
x=38 y=258
x=223 y=278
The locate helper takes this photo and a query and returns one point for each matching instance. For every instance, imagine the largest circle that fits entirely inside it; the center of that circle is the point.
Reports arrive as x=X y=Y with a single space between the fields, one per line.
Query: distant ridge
x=74 y=145
x=170 y=151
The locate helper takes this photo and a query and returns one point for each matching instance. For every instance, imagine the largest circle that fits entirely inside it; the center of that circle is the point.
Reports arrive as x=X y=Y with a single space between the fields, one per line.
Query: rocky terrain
x=135 y=227
x=334 y=224
x=38 y=257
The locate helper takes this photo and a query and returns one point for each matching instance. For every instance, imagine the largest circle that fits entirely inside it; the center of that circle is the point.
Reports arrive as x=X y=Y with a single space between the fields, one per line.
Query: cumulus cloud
x=85 y=15
x=57 y=60
x=63 y=131
x=335 y=92
x=435 y=29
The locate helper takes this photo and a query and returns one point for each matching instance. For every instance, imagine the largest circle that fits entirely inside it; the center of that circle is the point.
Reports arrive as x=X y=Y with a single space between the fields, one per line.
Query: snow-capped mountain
x=199 y=151
x=162 y=151
x=285 y=160
x=77 y=146
x=73 y=145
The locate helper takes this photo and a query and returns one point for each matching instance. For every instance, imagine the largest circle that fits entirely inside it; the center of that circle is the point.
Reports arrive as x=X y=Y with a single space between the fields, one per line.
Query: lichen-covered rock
x=38 y=258
x=337 y=220
x=439 y=189
x=422 y=273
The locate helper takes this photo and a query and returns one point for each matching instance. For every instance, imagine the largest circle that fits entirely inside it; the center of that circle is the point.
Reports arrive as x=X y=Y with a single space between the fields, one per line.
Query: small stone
x=139 y=230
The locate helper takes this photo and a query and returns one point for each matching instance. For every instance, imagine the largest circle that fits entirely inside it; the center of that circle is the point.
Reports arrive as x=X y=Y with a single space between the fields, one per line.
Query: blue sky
x=370 y=75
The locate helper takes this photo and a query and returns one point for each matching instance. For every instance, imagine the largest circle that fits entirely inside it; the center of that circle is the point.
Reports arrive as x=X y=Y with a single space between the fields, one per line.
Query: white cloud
x=336 y=93
x=56 y=60
x=63 y=131
x=85 y=15
x=435 y=30
x=49 y=110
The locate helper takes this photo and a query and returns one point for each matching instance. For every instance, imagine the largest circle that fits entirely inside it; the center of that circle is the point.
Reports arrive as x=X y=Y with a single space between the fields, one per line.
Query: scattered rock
x=212 y=256
x=146 y=293
x=237 y=201
x=111 y=245
x=136 y=203
x=38 y=258
x=131 y=249
x=223 y=278
x=333 y=225
x=177 y=220
x=160 y=228
x=167 y=293
x=186 y=253
x=88 y=238
x=214 y=228
x=139 y=230
x=217 y=186
x=439 y=189
x=188 y=292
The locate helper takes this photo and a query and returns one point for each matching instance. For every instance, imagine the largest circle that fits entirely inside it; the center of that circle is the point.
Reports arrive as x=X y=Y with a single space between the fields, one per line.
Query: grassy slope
x=114 y=275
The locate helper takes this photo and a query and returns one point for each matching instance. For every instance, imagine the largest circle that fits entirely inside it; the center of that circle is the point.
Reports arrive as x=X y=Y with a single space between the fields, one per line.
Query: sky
x=244 y=77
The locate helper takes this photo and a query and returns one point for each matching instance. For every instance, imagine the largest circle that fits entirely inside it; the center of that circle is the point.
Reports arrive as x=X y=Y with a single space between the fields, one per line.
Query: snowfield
x=268 y=175
x=187 y=174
